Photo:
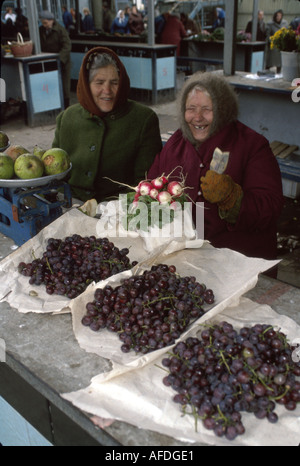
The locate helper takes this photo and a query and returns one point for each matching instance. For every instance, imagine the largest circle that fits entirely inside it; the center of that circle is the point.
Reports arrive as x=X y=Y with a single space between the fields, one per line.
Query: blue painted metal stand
x=25 y=212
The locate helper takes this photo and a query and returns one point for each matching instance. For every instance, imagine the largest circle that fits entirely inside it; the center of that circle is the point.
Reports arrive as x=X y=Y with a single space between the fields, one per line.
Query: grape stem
x=275 y=398
x=222 y=416
x=225 y=362
x=259 y=378
x=162 y=368
x=192 y=413
x=48 y=265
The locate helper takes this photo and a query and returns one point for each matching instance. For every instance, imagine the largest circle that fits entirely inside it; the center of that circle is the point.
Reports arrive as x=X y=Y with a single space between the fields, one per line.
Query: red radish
x=153 y=193
x=144 y=188
x=164 y=197
x=136 y=200
x=175 y=188
x=159 y=182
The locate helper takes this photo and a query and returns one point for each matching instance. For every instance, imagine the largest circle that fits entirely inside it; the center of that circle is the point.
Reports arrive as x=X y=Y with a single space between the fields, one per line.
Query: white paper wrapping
x=228 y=273
x=140 y=398
x=175 y=234
x=15 y=288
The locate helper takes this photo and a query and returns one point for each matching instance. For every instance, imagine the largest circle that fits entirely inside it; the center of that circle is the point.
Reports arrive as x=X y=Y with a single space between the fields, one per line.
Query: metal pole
x=231 y=7
x=97 y=13
x=77 y=27
x=34 y=34
x=151 y=30
x=254 y=20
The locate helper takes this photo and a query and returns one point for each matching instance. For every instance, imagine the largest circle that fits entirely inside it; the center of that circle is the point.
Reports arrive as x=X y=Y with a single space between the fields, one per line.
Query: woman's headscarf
x=84 y=95
x=275 y=16
x=121 y=17
x=224 y=101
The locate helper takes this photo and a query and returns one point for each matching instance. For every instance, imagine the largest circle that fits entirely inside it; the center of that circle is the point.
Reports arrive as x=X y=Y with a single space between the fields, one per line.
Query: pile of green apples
x=17 y=162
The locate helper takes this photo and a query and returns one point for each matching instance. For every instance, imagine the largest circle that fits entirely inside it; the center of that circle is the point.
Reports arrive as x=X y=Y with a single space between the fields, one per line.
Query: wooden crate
x=282 y=150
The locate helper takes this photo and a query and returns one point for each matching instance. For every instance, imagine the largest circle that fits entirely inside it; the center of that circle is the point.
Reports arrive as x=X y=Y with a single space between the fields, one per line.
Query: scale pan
x=34 y=182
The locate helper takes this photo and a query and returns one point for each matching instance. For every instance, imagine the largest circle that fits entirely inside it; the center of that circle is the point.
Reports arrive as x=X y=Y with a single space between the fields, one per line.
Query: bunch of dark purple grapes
x=148 y=311
x=227 y=372
x=69 y=265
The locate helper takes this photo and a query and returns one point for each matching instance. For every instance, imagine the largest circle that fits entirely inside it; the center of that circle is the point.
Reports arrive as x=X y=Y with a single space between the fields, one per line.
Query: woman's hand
x=220 y=189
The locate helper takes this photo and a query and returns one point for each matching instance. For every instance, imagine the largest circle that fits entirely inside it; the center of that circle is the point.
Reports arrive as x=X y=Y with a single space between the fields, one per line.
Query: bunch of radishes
x=160 y=189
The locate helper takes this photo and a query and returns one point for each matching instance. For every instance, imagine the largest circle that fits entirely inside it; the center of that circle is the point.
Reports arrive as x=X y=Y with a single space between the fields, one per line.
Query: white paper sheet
x=15 y=288
x=147 y=403
x=228 y=273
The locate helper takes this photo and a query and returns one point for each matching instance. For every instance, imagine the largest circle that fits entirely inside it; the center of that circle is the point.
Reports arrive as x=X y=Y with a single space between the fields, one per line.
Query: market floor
x=289 y=223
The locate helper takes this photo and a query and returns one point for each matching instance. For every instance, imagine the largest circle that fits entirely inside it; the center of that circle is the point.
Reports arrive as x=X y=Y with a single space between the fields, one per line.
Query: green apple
x=38 y=151
x=3 y=139
x=56 y=161
x=15 y=151
x=29 y=166
x=6 y=167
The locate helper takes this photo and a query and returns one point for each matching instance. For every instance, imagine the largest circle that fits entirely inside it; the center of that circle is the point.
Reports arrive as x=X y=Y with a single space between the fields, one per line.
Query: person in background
x=21 y=23
x=67 y=18
x=261 y=33
x=190 y=25
x=295 y=23
x=220 y=18
x=135 y=21
x=106 y=134
x=173 y=31
x=9 y=30
x=107 y=17
x=120 y=24
x=127 y=10
x=75 y=18
x=159 y=24
x=273 y=57
x=55 y=39
x=243 y=202
x=88 y=25
x=10 y=14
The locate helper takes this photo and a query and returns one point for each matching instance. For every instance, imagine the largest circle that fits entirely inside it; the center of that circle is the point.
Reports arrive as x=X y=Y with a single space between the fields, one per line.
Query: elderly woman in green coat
x=107 y=135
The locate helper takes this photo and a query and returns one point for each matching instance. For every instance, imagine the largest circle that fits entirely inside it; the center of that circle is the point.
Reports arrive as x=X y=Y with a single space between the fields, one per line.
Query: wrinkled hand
x=220 y=189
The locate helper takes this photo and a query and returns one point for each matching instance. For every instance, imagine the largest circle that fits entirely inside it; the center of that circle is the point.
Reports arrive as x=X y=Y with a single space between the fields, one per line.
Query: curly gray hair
x=224 y=101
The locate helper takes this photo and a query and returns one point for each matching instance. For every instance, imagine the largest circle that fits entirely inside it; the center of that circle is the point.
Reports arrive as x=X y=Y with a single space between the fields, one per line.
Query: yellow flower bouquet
x=285 y=40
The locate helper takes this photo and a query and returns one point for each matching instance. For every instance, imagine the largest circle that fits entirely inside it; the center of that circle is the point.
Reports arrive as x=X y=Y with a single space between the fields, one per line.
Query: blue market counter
x=36 y=81
x=270 y=107
x=249 y=56
x=151 y=69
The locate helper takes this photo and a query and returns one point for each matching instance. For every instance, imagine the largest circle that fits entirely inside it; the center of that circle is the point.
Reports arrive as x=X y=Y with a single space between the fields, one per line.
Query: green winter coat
x=121 y=146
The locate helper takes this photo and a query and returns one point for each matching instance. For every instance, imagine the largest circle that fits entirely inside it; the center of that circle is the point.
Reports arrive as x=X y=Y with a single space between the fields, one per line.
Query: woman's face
x=199 y=114
x=104 y=87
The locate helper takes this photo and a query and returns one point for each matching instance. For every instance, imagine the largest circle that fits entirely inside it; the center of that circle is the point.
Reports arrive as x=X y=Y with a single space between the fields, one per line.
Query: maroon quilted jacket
x=252 y=165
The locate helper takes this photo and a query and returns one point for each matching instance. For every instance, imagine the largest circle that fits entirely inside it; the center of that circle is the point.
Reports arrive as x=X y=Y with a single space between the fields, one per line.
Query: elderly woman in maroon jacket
x=241 y=205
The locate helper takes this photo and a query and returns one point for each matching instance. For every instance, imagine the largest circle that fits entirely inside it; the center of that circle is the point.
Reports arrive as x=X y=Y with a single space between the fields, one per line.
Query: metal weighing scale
x=27 y=206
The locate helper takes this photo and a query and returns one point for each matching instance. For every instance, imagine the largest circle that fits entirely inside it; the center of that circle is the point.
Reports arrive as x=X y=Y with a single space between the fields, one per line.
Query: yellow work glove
x=221 y=190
